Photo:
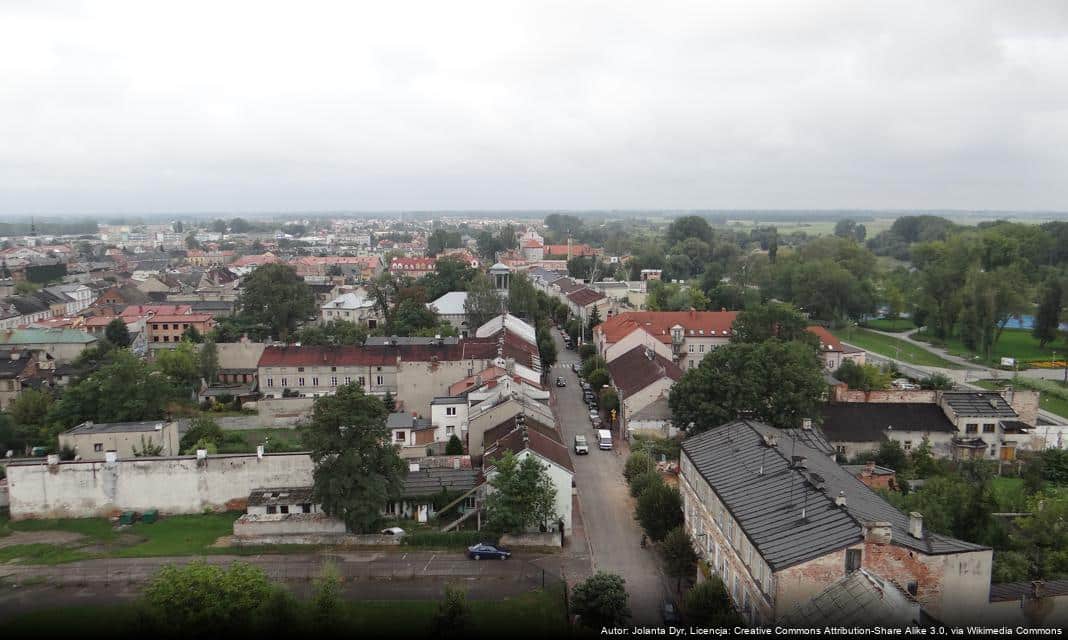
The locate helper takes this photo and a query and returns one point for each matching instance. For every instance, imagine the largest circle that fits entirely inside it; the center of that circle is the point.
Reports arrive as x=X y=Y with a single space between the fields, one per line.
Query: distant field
x=1014 y=343
x=891 y=347
x=894 y=326
x=814 y=226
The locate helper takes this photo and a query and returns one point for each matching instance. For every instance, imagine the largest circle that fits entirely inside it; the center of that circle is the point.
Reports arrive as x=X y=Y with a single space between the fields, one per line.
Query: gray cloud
x=129 y=107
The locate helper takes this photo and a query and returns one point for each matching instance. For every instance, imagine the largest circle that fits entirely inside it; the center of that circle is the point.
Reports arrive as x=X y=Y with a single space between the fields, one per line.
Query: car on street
x=483 y=550
x=393 y=531
x=575 y=367
x=669 y=613
x=560 y=382
x=595 y=416
x=581 y=447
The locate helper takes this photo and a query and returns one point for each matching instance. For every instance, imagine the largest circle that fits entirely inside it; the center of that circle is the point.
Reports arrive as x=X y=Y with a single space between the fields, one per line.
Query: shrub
x=660 y=510
x=454 y=447
x=446 y=539
x=601 y=601
x=638 y=463
x=641 y=483
x=708 y=605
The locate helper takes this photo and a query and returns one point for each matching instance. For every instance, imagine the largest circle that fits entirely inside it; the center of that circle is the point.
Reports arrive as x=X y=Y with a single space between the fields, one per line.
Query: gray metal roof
x=449 y=400
x=280 y=495
x=402 y=420
x=430 y=481
x=117 y=427
x=768 y=505
x=978 y=404
x=857 y=599
x=385 y=341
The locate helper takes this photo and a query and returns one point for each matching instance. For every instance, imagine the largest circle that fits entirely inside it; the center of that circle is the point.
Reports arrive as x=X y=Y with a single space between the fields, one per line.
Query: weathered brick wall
x=843 y=394
x=1025 y=403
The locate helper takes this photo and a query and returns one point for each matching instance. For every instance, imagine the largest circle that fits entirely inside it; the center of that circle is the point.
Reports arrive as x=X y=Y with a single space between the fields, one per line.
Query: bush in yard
x=598 y=379
x=707 y=605
x=659 y=510
x=202 y=597
x=638 y=463
x=201 y=428
x=641 y=483
x=587 y=351
x=454 y=447
x=453 y=616
x=601 y=601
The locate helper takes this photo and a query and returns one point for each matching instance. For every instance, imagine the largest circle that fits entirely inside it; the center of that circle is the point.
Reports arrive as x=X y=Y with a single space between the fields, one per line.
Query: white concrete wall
x=634 y=403
x=172 y=485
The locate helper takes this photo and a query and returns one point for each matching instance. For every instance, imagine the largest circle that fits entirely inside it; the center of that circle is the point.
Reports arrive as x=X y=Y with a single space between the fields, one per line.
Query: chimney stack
x=840 y=501
x=916 y=525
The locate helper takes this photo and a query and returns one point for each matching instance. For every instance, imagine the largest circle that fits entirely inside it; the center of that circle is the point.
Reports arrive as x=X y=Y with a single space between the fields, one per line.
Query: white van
x=604 y=439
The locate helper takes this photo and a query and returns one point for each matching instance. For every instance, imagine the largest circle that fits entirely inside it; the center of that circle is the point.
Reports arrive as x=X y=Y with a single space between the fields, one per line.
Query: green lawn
x=891 y=347
x=245 y=440
x=535 y=614
x=1014 y=343
x=898 y=325
x=1050 y=403
x=169 y=536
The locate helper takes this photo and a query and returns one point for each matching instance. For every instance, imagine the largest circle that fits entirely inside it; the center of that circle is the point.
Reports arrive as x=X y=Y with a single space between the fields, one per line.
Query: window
x=300 y=382
x=270 y=382
x=988 y=428
x=391 y=508
x=691 y=348
x=840 y=449
x=378 y=380
x=362 y=383
x=285 y=383
x=300 y=369
x=701 y=348
x=450 y=411
x=98 y=447
x=449 y=430
x=691 y=364
x=348 y=379
x=185 y=325
x=971 y=428
x=333 y=381
x=400 y=436
x=155 y=338
x=315 y=381
x=908 y=445
x=164 y=326
x=853 y=557
x=284 y=508
x=272 y=509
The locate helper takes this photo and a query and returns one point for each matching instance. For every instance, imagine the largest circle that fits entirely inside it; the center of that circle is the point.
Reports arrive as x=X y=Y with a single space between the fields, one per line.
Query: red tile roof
x=827 y=340
x=576 y=250
x=157 y=309
x=635 y=370
x=698 y=324
x=412 y=264
x=293 y=356
x=548 y=447
x=189 y=317
x=584 y=297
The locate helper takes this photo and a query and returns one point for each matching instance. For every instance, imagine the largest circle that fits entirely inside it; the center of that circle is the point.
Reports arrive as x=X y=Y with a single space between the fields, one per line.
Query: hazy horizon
x=130 y=108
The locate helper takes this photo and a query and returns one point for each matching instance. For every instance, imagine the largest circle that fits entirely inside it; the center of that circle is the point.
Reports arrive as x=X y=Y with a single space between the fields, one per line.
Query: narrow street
x=607 y=508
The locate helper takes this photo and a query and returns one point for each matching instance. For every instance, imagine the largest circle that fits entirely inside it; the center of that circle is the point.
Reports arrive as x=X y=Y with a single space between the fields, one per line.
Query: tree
x=30 y=409
x=390 y=402
x=191 y=242
x=939 y=381
x=659 y=510
x=192 y=335
x=209 y=361
x=326 y=609
x=452 y=619
x=679 y=555
x=1044 y=534
x=601 y=601
x=523 y=495
x=1048 y=316
x=356 y=469
x=587 y=351
x=333 y=333
x=641 y=483
x=593 y=321
x=609 y=399
x=202 y=429
x=117 y=333
x=219 y=226
x=709 y=605
x=638 y=463
x=181 y=365
x=274 y=295
x=686 y=227
x=592 y=364
x=240 y=225
x=454 y=447
x=546 y=349
x=124 y=390
x=865 y=377
x=483 y=303
x=598 y=378
x=772 y=320
x=203 y=596
x=777 y=382
x=522 y=296
x=148 y=449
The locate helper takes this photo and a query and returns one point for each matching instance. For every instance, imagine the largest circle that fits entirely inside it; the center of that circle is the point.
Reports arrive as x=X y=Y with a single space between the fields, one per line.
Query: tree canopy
x=523 y=496
x=275 y=296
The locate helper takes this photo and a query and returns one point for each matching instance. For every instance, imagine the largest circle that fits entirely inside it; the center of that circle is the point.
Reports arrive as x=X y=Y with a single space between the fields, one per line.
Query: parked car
x=669 y=613
x=594 y=415
x=560 y=382
x=481 y=550
x=393 y=531
x=581 y=447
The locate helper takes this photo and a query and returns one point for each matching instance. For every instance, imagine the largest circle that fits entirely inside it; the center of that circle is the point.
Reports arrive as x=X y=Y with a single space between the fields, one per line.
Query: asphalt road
x=607 y=508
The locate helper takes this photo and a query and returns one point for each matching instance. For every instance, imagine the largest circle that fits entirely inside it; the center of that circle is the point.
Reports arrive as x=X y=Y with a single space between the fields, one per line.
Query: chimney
x=878 y=532
x=869 y=469
x=916 y=525
x=806 y=424
x=111 y=457
x=259 y=451
x=413 y=467
x=202 y=454
x=53 y=459
x=798 y=462
x=840 y=501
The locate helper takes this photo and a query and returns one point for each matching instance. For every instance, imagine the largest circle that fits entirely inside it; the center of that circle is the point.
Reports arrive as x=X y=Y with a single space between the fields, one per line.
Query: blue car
x=479 y=551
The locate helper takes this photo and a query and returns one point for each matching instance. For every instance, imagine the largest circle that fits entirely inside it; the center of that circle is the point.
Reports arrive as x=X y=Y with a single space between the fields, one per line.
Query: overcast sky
x=233 y=106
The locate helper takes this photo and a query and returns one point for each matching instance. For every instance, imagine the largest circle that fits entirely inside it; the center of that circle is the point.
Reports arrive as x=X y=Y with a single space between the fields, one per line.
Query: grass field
x=891 y=347
x=169 y=536
x=1050 y=403
x=536 y=614
x=245 y=440
x=813 y=226
x=1014 y=343
x=894 y=326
